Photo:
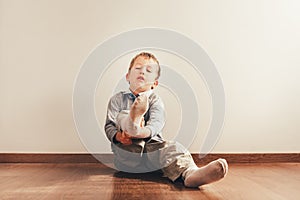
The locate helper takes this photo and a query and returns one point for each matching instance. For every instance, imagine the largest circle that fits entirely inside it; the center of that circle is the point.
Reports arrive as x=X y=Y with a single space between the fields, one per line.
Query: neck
x=147 y=92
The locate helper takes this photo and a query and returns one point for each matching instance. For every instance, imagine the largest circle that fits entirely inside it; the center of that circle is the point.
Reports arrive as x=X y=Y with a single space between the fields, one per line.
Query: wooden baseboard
x=249 y=157
x=108 y=158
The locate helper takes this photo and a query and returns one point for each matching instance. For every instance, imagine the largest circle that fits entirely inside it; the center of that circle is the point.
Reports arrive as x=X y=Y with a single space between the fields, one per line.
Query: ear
x=155 y=84
x=127 y=77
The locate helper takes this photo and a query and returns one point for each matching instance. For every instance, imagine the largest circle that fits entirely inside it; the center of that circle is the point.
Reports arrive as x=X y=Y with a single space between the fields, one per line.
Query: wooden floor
x=95 y=181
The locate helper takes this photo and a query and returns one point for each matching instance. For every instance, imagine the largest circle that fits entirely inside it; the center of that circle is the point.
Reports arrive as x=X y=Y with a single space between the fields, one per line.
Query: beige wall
x=254 y=44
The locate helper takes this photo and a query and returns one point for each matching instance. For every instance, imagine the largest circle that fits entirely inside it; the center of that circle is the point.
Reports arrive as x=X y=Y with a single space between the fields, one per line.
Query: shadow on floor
x=155 y=177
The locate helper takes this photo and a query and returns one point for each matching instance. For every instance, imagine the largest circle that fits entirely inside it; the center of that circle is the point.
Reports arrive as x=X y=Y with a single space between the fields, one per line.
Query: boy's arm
x=144 y=132
x=132 y=129
x=156 y=120
x=112 y=111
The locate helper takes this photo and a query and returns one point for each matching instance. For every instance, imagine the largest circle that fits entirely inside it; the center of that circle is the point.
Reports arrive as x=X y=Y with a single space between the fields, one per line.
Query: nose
x=143 y=69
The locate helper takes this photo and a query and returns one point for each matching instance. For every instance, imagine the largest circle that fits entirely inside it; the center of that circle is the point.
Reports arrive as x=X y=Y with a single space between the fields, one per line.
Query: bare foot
x=212 y=172
x=138 y=109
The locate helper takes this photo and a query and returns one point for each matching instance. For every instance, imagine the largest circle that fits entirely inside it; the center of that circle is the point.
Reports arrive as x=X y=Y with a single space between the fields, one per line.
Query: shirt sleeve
x=113 y=109
x=156 y=120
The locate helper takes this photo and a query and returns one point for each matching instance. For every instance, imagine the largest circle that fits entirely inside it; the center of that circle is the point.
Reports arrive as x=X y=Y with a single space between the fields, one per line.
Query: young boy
x=133 y=125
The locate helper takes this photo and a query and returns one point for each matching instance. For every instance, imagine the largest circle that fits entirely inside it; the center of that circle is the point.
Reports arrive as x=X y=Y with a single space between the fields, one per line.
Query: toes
x=224 y=164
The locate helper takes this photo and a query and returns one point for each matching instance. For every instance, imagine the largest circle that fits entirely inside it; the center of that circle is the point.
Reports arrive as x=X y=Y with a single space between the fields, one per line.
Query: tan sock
x=214 y=171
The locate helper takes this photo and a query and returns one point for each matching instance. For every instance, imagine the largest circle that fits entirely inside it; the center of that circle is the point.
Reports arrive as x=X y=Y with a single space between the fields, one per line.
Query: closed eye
x=149 y=69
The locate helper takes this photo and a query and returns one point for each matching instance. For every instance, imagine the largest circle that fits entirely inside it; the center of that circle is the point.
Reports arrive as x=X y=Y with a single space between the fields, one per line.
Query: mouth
x=140 y=78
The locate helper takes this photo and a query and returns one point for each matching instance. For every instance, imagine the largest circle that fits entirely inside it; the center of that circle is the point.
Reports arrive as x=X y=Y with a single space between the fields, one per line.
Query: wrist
x=117 y=137
x=144 y=133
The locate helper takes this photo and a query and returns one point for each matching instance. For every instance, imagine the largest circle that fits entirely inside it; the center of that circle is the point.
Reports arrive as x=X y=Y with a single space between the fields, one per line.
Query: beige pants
x=141 y=156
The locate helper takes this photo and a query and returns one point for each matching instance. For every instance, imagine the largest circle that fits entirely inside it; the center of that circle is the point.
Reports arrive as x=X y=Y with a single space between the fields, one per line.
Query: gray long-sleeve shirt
x=154 y=117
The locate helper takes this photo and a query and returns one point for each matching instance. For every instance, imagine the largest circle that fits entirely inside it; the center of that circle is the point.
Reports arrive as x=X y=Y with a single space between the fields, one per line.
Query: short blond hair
x=147 y=56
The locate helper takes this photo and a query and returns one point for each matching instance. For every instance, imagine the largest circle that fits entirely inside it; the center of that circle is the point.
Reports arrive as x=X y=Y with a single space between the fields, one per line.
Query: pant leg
x=129 y=158
x=169 y=156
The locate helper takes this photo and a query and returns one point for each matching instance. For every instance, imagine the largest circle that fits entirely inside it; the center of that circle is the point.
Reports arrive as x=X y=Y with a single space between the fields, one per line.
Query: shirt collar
x=147 y=93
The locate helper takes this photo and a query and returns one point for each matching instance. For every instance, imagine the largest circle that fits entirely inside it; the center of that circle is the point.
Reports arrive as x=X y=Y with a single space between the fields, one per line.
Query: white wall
x=254 y=44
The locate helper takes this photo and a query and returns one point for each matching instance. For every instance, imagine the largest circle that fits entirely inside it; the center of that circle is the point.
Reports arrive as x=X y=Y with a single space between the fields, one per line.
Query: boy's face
x=142 y=76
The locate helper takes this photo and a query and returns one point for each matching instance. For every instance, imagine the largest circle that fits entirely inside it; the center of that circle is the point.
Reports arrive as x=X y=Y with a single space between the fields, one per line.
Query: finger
x=142 y=122
x=127 y=142
x=126 y=135
x=125 y=138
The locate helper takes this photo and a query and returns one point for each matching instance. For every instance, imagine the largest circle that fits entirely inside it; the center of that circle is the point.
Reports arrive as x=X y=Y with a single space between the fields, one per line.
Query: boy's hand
x=139 y=108
x=123 y=138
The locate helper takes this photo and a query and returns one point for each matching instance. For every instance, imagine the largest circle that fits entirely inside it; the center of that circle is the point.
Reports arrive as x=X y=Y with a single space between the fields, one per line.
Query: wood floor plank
x=95 y=181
